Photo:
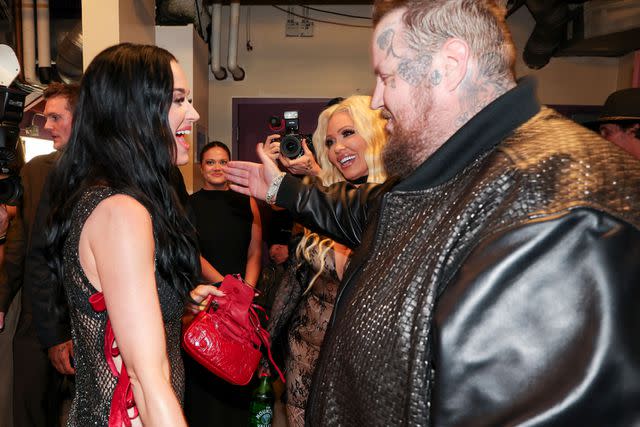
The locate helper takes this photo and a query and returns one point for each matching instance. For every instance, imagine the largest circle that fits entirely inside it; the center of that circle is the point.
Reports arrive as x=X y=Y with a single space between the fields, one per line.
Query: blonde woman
x=348 y=142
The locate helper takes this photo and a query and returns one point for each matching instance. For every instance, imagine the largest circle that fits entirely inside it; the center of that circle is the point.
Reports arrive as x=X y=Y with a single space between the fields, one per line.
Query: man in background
x=40 y=342
x=620 y=120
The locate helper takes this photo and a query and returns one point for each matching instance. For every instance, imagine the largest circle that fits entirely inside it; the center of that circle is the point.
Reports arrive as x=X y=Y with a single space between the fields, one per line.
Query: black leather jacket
x=498 y=285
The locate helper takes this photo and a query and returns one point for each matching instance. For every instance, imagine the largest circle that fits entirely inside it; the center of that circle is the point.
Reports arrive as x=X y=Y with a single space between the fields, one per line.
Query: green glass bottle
x=261 y=406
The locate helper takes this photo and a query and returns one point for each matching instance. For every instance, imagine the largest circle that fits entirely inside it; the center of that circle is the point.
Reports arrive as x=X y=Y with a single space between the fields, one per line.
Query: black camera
x=291 y=141
x=11 y=110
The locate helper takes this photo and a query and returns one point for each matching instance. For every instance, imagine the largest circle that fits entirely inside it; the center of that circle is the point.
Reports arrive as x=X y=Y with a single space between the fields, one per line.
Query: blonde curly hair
x=371 y=126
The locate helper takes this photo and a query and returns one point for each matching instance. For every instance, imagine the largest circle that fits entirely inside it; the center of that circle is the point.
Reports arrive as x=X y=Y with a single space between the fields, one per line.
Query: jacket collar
x=482 y=133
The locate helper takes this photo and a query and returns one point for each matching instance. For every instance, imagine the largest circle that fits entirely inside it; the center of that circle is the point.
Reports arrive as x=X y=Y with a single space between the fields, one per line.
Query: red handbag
x=226 y=336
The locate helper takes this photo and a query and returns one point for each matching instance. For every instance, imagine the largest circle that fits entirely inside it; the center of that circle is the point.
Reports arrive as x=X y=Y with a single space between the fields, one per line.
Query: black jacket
x=497 y=285
x=20 y=273
x=51 y=320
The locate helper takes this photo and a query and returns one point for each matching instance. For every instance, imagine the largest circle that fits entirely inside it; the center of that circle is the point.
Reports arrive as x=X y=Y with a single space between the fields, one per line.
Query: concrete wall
x=137 y=21
x=108 y=22
x=336 y=62
x=625 y=74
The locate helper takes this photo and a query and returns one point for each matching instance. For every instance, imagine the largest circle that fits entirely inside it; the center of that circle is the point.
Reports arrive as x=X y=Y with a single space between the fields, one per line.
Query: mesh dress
x=95 y=383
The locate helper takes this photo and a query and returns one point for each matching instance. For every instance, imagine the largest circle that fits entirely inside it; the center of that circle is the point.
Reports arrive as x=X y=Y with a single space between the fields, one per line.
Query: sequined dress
x=94 y=382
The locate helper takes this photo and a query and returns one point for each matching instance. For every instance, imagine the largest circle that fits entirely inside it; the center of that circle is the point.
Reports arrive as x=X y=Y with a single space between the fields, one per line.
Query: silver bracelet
x=272 y=192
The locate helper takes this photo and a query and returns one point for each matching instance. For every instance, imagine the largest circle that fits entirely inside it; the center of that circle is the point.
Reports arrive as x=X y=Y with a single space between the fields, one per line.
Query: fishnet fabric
x=94 y=382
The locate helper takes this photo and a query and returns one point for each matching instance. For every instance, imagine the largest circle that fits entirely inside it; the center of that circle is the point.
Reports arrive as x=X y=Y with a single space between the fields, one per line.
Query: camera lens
x=291 y=146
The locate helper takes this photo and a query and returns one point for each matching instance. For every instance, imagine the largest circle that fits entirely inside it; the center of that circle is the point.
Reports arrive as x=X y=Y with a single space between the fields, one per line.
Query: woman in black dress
x=230 y=239
x=120 y=242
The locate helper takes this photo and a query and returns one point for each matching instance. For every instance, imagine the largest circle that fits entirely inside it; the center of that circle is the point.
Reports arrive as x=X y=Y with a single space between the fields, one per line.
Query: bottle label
x=262 y=417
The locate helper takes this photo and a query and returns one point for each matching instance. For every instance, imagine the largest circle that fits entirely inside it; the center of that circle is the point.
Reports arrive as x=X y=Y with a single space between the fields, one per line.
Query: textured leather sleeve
x=53 y=324
x=339 y=211
x=540 y=327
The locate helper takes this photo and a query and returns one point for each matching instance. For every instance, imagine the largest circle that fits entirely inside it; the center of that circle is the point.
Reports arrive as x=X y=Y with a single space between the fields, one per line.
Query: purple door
x=251 y=120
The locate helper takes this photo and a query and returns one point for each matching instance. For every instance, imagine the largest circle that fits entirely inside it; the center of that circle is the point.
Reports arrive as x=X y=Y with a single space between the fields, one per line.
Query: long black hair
x=121 y=138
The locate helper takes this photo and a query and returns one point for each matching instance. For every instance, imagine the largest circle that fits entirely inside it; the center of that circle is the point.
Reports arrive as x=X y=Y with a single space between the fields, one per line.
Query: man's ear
x=456 y=54
x=633 y=130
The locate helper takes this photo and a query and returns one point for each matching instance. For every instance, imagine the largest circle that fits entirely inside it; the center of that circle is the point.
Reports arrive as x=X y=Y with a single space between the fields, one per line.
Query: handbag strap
x=264 y=336
x=254 y=319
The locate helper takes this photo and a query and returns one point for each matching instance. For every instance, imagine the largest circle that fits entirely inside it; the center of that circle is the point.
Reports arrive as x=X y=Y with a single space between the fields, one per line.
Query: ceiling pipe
x=234 y=28
x=218 y=71
x=29 y=42
x=44 y=40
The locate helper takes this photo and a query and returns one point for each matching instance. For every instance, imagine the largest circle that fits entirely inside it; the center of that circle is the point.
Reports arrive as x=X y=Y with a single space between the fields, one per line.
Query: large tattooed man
x=495 y=278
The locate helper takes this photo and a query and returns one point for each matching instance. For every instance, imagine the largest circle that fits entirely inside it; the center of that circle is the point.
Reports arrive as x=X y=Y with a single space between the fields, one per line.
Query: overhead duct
x=28 y=42
x=183 y=12
x=234 y=28
x=218 y=71
x=550 y=31
x=69 y=58
x=44 y=41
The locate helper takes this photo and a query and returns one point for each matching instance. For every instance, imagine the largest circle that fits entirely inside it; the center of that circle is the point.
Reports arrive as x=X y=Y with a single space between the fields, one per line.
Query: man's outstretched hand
x=252 y=179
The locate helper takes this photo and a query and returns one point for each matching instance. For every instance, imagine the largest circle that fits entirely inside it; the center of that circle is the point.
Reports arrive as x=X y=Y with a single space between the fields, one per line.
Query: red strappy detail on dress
x=122 y=400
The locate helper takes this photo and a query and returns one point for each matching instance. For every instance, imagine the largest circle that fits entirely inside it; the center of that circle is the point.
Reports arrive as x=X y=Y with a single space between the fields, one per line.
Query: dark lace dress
x=307 y=316
x=94 y=381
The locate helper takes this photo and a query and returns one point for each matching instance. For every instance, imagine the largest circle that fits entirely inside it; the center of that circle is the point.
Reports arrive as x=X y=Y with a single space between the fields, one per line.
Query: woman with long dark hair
x=120 y=241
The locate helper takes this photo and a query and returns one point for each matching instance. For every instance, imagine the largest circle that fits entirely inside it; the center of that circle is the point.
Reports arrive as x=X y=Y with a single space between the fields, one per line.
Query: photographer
x=348 y=141
x=37 y=389
x=304 y=165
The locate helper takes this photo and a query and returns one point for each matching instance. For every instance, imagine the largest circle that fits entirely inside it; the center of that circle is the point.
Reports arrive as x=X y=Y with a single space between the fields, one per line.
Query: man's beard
x=408 y=144
x=403 y=152
x=416 y=135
